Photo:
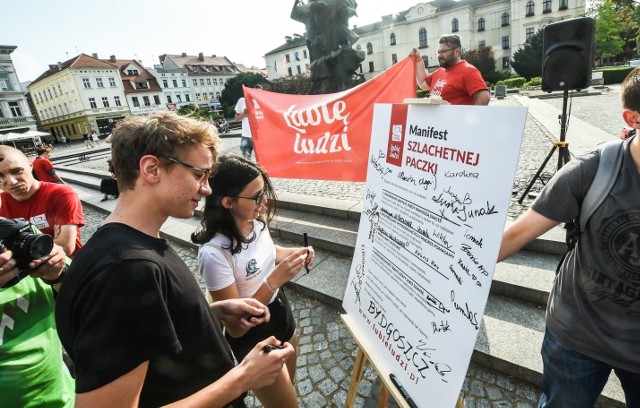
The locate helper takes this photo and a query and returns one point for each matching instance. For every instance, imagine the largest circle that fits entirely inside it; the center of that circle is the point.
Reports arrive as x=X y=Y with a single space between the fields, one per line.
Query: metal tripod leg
x=537 y=176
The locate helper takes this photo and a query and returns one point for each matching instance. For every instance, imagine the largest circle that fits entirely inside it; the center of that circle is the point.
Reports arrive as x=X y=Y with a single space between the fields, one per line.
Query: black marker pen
x=404 y=393
x=270 y=347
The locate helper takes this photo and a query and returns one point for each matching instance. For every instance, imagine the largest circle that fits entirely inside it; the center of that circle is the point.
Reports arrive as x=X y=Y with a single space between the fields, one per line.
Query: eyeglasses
x=257 y=198
x=440 y=52
x=203 y=175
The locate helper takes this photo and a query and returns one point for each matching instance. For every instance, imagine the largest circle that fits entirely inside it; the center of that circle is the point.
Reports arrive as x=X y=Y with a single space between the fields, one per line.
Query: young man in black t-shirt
x=131 y=315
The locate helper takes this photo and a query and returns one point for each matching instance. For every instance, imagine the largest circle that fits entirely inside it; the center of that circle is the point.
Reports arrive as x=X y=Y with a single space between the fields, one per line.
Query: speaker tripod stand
x=560 y=145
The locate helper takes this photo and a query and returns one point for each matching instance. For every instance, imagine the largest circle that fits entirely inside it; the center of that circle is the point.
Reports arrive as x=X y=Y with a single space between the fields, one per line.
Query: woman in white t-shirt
x=238 y=259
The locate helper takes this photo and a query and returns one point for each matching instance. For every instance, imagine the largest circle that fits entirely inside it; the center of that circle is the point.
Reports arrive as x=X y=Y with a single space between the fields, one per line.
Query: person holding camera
x=54 y=209
x=32 y=371
x=131 y=314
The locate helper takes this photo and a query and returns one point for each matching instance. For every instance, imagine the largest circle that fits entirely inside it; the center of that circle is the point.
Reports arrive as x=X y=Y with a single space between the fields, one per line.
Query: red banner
x=323 y=137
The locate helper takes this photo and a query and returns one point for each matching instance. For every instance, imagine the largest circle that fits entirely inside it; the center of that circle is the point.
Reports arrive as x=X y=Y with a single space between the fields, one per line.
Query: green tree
x=527 y=60
x=233 y=89
x=482 y=58
x=198 y=112
x=617 y=28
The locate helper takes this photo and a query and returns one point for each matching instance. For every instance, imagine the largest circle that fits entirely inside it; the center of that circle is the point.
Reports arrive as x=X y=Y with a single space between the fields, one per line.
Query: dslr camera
x=17 y=235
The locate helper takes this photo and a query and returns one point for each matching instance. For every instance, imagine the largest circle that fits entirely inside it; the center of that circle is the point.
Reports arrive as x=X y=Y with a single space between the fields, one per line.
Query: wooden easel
x=386 y=389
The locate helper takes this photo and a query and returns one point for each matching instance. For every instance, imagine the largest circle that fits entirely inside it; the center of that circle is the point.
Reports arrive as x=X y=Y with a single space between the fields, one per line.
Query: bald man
x=54 y=209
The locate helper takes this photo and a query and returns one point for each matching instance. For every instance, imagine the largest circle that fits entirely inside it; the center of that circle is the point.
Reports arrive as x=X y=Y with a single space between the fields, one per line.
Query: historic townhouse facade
x=206 y=74
x=503 y=25
x=141 y=88
x=78 y=96
x=175 y=86
x=15 y=115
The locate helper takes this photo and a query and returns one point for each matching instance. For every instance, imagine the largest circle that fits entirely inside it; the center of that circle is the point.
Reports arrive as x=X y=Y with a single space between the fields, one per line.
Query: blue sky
x=47 y=31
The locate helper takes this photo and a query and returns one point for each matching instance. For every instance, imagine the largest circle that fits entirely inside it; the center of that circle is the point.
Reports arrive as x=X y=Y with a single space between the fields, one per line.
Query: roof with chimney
x=128 y=80
x=201 y=64
x=81 y=61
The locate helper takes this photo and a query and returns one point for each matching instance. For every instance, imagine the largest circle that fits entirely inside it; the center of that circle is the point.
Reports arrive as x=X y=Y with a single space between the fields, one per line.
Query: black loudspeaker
x=567 y=54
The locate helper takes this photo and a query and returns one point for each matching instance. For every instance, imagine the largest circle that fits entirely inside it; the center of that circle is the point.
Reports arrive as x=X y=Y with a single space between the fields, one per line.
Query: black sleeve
x=123 y=321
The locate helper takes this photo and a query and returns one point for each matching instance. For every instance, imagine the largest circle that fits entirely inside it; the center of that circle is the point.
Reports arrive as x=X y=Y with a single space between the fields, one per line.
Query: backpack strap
x=611 y=154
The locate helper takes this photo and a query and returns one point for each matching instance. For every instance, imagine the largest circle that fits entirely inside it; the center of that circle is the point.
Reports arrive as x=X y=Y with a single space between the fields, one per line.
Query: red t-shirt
x=456 y=84
x=53 y=204
x=43 y=170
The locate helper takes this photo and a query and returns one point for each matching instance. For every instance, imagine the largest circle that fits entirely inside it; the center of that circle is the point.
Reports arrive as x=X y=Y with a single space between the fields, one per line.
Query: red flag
x=323 y=137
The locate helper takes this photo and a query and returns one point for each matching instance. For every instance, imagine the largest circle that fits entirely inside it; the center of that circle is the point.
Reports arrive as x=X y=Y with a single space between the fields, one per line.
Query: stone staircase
x=513 y=326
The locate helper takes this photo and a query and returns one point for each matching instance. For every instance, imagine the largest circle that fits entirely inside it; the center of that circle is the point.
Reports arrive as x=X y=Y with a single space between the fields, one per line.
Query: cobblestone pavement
x=327 y=351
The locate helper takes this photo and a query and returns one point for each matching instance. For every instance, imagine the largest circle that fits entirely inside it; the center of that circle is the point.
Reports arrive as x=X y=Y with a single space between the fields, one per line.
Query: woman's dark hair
x=232 y=175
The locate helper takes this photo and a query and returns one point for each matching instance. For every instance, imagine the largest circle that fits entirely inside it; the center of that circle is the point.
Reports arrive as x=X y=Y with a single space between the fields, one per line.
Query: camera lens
x=34 y=246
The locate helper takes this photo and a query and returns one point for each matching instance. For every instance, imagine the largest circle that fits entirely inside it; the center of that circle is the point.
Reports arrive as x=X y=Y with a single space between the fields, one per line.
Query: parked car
x=633 y=63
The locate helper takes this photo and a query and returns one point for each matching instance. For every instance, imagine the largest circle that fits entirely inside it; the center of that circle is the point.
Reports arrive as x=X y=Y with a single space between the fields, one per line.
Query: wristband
x=273 y=291
x=58 y=279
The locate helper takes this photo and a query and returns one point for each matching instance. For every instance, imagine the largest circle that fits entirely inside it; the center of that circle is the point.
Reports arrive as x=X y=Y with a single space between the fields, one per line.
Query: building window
x=179 y=98
x=112 y=82
x=505 y=62
x=564 y=4
x=66 y=108
x=304 y=54
x=145 y=99
x=195 y=82
x=132 y=72
x=105 y=101
x=187 y=98
x=116 y=99
x=5 y=84
x=369 y=48
x=175 y=83
x=55 y=109
x=49 y=92
x=371 y=68
x=299 y=69
x=505 y=42
x=286 y=58
x=482 y=44
x=55 y=93
x=156 y=99
x=197 y=96
x=169 y=99
x=165 y=83
x=208 y=81
x=184 y=83
x=546 y=6
x=136 y=103
x=505 y=19
x=392 y=39
x=15 y=109
x=289 y=72
x=530 y=9
x=92 y=103
x=99 y=83
x=201 y=81
x=60 y=89
x=528 y=34
x=394 y=58
x=422 y=38
x=481 y=24
x=142 y=85
x=86 y=83
x=454 y=25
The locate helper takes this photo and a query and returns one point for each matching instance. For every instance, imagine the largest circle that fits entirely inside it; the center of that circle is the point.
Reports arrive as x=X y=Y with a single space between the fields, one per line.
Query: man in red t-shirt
x=456 y=81
x=54 y=209
x=43 y=168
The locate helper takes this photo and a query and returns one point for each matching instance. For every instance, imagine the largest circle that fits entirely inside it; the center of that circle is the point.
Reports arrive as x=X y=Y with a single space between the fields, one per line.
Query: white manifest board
x=439 y=181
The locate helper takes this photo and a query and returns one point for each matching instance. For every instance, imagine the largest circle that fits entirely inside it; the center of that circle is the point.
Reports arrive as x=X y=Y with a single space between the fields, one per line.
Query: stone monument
x=330 y=40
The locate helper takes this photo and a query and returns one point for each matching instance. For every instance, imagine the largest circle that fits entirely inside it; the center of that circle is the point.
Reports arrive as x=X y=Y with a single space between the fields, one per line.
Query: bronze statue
x=330 y=40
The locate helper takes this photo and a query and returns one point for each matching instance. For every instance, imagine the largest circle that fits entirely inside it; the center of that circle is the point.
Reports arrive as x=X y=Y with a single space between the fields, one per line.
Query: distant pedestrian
x=43 y=168
x=87 y=140
x=63 y=141
x=95 y=139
